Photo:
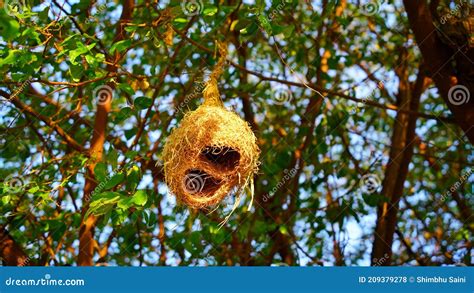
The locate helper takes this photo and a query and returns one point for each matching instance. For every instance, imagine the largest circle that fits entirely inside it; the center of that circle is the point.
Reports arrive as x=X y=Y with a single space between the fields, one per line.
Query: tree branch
x=10 y=252
x=48 y=121
x=403 y=137
x=320 y=89
x=438 y=58
x=86 y=233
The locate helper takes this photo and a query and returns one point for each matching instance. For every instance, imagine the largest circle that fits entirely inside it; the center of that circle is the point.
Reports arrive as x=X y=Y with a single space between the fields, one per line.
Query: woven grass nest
x=211 y=154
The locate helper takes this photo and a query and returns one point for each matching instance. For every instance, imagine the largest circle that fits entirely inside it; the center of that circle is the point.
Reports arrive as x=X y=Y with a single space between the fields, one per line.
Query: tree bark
x=439 y=59
x=11 y=253
x=86 y=232
x=397 y=169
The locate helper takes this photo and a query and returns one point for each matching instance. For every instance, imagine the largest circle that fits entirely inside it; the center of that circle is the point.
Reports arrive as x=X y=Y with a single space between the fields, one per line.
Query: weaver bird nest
x=212 y=153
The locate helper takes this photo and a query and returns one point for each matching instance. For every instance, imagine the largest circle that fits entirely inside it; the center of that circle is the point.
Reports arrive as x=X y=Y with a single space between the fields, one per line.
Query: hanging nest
x=211 y=154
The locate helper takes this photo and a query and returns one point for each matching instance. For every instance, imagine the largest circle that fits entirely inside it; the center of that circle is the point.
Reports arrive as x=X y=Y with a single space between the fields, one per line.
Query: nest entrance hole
x=225 y=158
x=199 y=182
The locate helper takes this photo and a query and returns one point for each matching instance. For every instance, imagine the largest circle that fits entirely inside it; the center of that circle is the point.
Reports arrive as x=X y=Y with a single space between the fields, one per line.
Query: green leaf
x=277 y=29
x=249 y=30
x=133 y=177
x=58 y=229
x=105 y=196
x=371 y=199
x=114 y=181
x=125 y=203
x=180 y=20
x=283 y=230
x=151 y=219
x=263 y=20
x=6 y=199
x=10 y=59
x=143 y=102
x=81 y=49
x=131 y=155
x=129 y=133
x=120 y=46
x=67 y=41
x=43 y=14
x=119 y=216
x=126 y=88
x=211 y=10
x=33 y=189
x=123 y=114
x=100 y=171
x=103 y=203
x=90 y=60
x=288 y=31
x=99 y=57
x=131 y=28
x=140 y=197
x=112 y=157
x=9 y=28
x=76 y=220
x=76 y=72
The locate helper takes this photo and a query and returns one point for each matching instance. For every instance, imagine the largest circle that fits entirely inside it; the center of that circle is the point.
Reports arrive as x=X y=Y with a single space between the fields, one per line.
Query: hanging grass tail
x=211 y=91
